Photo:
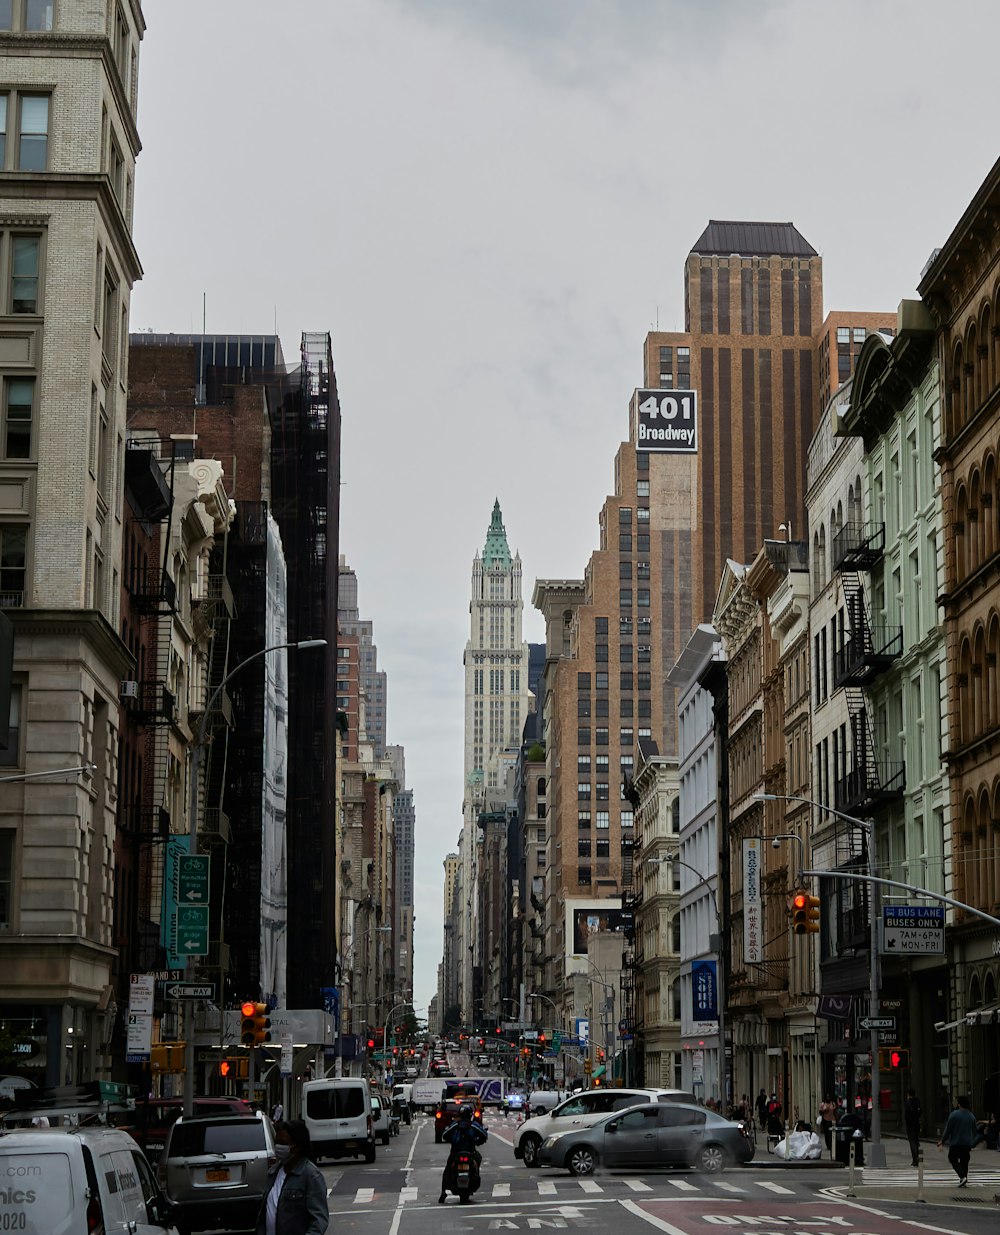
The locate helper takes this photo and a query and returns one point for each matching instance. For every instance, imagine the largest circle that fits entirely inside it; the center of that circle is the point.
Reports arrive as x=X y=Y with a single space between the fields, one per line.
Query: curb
x=933 y=1195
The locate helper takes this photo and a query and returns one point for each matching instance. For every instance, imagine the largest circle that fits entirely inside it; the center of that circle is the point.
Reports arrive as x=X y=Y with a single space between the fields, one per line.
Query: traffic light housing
x=894 y=1058
x=255 y=1029
x=371 y=1044
x=805 y=913
x=224 y=1068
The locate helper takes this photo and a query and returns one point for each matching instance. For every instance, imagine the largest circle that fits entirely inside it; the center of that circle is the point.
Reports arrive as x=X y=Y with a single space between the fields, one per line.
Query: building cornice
x=89 y=624
x=77 y=186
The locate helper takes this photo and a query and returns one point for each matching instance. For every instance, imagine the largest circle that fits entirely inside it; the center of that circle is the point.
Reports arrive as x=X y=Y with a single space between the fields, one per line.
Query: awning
x=598 y=1073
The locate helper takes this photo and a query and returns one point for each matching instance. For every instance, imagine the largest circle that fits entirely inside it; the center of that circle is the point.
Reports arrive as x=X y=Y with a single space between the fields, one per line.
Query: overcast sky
x=488 y=203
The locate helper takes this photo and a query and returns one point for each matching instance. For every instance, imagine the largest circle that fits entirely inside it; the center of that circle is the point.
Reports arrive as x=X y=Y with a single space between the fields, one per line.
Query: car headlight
x=554 y=1136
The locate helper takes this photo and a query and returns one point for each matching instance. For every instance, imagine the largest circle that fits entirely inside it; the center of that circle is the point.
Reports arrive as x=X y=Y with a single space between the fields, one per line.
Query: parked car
x=653 y=1135
x=150 y=1122
x=581 y=1110
x=79 y=1179
x=380 y=1119
x=338 y=1114
x=214 y=1170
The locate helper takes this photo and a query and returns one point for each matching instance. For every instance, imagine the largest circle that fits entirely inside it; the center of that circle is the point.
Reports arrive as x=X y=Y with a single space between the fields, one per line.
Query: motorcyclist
x=465 y=1135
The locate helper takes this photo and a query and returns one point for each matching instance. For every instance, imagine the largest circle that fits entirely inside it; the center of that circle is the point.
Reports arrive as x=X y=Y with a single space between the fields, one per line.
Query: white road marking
x=590 y=1185
x=728 y=1187
x=776 y=1188
x=637 y=1185
x=364 y=1195
x=501 y=1189
x=546 y=1187
x=652 y=1219
x=407 y=1194
x=682 y=1185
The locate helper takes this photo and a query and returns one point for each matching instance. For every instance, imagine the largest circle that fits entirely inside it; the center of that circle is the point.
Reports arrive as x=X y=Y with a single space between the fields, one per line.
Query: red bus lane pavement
x=762 y=1218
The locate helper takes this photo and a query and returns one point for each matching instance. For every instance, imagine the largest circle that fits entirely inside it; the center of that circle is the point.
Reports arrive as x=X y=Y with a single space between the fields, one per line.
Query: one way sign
x=189 y=990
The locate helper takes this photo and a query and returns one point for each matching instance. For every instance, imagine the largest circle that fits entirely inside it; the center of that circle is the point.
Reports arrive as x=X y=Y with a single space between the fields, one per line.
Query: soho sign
x=666 y=420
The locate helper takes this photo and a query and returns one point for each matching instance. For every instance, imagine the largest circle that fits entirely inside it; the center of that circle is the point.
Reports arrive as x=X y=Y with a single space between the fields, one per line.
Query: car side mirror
x=612 y=1127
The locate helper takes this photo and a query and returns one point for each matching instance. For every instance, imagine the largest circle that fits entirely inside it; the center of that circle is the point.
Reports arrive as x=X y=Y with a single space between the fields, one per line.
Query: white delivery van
x=338 y=1114
x=78 y=1179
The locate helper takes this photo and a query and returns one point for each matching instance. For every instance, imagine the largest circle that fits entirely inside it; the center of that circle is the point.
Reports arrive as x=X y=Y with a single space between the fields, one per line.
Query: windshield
x=208 y=1137
x=337 y=1102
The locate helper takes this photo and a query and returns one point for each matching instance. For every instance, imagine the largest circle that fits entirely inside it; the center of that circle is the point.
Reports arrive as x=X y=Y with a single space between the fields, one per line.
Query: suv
x=448 y=1108
x=380 y=1118
x=150 y=1122
x=79 y=1179
x=214 y=1170
x=581 y=1110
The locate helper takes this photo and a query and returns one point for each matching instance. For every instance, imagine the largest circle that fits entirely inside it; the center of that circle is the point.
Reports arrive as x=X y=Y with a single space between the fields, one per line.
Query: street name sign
x=877 y=1022
x=189 y=990
x=913 y=930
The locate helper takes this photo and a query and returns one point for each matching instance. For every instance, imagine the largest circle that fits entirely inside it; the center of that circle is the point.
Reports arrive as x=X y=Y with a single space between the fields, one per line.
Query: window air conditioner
x=128 y=690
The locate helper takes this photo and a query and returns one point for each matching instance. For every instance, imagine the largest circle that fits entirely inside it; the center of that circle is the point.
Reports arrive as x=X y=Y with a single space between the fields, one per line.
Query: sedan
x=652 y=1135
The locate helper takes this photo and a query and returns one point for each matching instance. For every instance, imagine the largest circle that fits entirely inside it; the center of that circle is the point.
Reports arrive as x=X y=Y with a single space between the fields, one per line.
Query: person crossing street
x=959 y=1135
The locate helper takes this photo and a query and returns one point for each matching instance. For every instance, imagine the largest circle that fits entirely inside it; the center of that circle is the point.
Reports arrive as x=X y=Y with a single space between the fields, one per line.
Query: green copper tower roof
x=497 y=549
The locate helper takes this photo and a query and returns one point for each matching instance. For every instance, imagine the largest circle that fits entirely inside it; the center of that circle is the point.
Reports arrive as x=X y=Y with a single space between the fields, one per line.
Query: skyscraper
x=496 y=703
x=372 y=679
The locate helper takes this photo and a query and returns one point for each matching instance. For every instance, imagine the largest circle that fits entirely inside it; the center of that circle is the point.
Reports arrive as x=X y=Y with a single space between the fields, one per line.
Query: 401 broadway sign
x=666 y=420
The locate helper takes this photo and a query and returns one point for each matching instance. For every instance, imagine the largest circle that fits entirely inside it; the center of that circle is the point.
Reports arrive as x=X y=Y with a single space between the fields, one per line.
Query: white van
x=79 y=1179
x=338 y=1114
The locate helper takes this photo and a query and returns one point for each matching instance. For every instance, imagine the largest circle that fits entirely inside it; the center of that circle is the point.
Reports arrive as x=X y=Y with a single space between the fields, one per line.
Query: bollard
x=920 y=1175
x=850 y=1169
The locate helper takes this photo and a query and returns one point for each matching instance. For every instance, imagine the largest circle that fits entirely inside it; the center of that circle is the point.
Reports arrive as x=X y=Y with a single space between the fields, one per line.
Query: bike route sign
x=913 y=930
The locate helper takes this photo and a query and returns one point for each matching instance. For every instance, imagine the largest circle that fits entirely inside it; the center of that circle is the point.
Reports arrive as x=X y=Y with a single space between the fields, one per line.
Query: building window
x=603 y=820
x=122 y=46
x=642 y=570
x=625 y=597
x=602 y=737
x=625 y=626
x=625 y=568
x=603 y=849
x=625 y=653
x=625 y=679
x=624 y=542
x=25 y=119
x=642 y=597
x=11 y=757
x=583 y=875
x=6 y=877
x=13 y=565
x=601 y=706
x=625 y=516
x=627 y=763
x=642 y=488
x=583 y=736
x=601 y=764
x=645 y=708
x=601 y=656
x=645 y=733
x=19 y=402
x=625 y=737
x=583 y=765
x=583 y=848
x=601 y=626
x=642 y=514
x=110 y=315
x=843 y=334
x=601 y=682
x=583 y=681
x=583 y=791
x=645 y=680
x=26 y=14
x=583 y=706
x=24 y=264
x=602 y=792
x=643 y=654
x=625 y=708
x=583 y=820
x=642 y=542
x=627 y=818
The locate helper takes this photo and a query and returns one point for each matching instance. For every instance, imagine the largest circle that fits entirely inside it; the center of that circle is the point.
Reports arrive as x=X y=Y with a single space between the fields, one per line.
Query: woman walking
x=959 y=1135
x=295 y=1202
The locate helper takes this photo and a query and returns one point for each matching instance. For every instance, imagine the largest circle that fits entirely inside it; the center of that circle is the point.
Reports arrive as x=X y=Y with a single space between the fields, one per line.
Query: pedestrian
x=959 y=1135
x=761 y=1105
x=295 y=1200
x=911 y=1119
x=827 y=1118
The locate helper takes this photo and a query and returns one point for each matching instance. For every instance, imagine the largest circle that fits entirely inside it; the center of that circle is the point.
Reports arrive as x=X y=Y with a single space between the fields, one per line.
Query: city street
x=398 y=1195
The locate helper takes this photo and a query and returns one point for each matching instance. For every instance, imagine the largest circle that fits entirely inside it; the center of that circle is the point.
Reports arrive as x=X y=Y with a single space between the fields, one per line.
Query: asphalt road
x=397 y=1195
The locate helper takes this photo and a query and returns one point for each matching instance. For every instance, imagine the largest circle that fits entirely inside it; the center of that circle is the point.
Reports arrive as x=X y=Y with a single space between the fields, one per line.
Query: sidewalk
x=898 y=1181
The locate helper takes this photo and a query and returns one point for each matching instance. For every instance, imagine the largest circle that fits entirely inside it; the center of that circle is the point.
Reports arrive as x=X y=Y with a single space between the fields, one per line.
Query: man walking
x=959 y=1134
x=911 y=1118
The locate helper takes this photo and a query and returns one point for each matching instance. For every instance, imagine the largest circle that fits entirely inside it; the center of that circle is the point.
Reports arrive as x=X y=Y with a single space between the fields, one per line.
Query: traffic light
x=894 y=1058
x=371 y=1044
x=805 y=913
x=256 y=1026
x=224 y=1068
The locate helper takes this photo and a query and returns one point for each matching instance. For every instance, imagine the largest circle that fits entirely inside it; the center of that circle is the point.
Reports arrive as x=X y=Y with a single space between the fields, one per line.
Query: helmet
x=465 y=1112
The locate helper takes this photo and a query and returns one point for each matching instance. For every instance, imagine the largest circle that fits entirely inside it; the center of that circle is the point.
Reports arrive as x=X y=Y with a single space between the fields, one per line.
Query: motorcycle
x=463 y=1178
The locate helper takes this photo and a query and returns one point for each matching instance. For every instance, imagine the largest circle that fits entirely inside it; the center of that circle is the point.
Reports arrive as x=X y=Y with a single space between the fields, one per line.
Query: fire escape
x=871 y=783
x=632 y=954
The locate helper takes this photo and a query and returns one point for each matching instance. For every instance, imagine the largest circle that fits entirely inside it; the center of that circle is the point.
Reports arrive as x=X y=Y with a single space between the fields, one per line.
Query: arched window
x=541 y=786
x=975 y=993
x=965 y=713
x=675 y=816
x=987 y=375
x=956 y=391
x=978 y=682
x=986 y=503
x=990 y=690
x=961 y=534
x=972 y=399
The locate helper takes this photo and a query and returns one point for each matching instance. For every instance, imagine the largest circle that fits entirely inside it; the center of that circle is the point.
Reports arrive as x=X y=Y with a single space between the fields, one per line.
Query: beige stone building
x=69 y=263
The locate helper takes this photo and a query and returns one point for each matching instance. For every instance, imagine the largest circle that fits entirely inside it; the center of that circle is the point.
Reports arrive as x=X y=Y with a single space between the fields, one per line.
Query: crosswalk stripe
x=407 y=1194
x=728 y=1187
x=637 y=1185
x=590 y=1185
x=546 y=1187
x=776 y=1188
x=364 y=1196
x=501 y=1189
x=682 y=1185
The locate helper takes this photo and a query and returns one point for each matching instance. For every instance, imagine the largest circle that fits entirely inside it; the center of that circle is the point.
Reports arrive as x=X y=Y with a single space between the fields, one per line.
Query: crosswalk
x=896 y=1176
x=567 y=1188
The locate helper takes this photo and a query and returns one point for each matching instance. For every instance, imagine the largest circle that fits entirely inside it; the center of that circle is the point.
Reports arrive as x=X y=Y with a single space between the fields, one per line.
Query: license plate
x=219 y=1175
x=352 y=1144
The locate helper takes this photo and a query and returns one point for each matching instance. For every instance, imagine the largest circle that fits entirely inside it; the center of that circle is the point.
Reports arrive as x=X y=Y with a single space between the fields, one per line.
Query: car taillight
x=95 y=1219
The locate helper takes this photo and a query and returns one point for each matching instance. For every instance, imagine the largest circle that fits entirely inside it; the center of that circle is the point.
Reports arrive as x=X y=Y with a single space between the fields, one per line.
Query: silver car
x=214 y=1170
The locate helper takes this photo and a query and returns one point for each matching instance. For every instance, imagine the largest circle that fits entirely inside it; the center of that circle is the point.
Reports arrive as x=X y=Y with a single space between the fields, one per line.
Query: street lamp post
x=197 y=749
x=868 y=828
x=671 y=859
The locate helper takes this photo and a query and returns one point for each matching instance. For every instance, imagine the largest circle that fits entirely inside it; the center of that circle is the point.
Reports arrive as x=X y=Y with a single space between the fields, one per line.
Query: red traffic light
x=899 y=1059
x=248 y=1008
x=256 y=1024
x=371 y=1044
x=224 y=1068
